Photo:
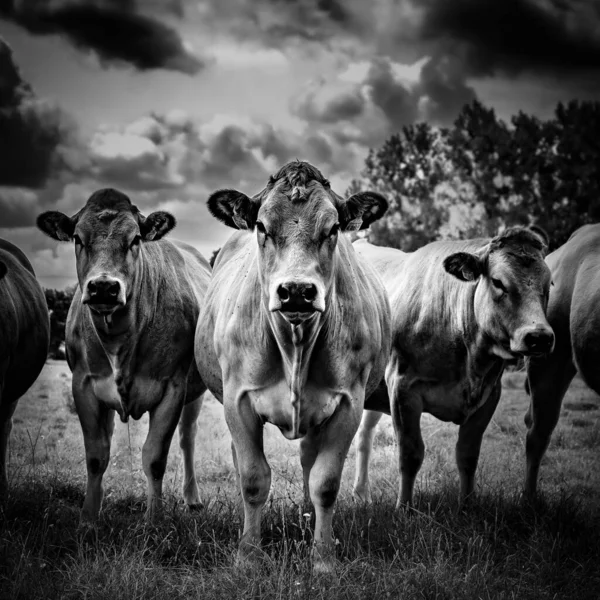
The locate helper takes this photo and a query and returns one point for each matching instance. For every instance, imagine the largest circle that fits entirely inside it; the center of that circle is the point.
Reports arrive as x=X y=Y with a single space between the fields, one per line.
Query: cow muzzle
x=297 y=301
x=535 y=342
x=104 y=294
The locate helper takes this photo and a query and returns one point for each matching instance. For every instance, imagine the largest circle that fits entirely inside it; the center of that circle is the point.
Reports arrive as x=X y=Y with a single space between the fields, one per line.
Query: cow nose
x=297 y=297
x=103 y=291
x=539 y=341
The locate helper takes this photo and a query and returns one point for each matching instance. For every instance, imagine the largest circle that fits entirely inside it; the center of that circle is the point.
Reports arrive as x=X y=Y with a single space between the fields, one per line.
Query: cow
x=460 y=311
x=295 y=331
x=130 y=336
x=25 y=335
x=575 y=318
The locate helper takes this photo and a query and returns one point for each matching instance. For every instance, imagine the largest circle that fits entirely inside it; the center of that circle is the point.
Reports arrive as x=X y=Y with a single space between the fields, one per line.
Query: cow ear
x=3 y=269
x=233 y=208
x=543 y=235
x=57 y=225
x=362 y=209
x=156 y=225
x=464 y=266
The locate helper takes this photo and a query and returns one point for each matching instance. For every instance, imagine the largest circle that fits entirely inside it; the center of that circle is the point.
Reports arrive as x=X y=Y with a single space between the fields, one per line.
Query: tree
x=59 y=302
x=482 y=174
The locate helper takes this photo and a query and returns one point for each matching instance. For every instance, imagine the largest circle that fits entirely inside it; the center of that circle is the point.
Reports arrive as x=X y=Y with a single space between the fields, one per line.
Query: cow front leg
x=97 y=425
x=253 y=472
x=468 y=446
x=332 y=443
x=548 y=379
x=163 y=422
x=188 y=428
x=364 y=446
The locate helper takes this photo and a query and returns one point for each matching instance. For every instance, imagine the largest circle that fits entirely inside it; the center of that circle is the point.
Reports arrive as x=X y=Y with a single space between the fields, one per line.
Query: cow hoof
x=362 y=496
x=195 y=507
x=249 y=559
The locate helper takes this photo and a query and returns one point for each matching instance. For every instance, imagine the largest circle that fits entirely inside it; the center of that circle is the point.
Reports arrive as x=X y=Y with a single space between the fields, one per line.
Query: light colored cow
x=24 y=338
x=295 y=332
x=130 y=336
x=460 y=310
x=574 y=314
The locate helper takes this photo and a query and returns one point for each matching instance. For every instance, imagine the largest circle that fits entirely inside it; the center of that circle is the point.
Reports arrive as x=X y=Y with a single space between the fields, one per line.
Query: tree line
x=482 y=174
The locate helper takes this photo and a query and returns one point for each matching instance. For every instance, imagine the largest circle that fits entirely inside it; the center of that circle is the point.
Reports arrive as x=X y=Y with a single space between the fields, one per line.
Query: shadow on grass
x=495 y=547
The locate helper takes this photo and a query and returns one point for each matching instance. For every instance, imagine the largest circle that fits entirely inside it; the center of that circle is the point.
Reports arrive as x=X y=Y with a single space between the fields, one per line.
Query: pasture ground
x=497 y=547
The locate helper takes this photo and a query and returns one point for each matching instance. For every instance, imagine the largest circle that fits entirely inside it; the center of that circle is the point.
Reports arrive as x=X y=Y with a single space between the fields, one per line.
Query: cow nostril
x=309 y=293
x=539 y=341
x=113 y=289
x=92 y=288
x=283 y=293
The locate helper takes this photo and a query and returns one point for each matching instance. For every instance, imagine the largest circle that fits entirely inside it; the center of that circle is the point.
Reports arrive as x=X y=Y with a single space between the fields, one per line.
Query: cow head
x=512 y=292
x=108 y=234
x=297 y=219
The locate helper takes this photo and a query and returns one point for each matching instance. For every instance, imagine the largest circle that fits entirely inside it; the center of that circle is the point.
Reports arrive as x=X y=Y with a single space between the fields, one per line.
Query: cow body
x=573 y=314
x=455 y=324
x=130 y=336
x=24 y=335
x=291 y=343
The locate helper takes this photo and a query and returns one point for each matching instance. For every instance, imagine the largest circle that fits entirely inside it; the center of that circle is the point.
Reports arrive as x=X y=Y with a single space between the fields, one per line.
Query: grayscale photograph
x=300 y=299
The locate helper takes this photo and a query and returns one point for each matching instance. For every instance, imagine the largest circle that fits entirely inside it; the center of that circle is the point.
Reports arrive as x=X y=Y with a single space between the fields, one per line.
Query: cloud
x=487 y=36
x=116 y=31
x=522 y=35
x=370 y=100
x=35 y=134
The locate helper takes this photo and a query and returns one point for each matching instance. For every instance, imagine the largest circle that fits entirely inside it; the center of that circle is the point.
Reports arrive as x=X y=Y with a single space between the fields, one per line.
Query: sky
x=169 y=100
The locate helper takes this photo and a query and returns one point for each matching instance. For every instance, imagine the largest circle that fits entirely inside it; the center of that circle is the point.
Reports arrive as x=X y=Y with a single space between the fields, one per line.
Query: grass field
x=497 y=547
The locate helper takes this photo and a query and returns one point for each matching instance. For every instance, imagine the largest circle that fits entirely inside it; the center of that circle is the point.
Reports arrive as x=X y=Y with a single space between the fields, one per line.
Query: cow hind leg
x=468 y=446
x=97 y=424
x=364 y=446
x=188 y=427
x=6 y=413
x=548 y=380
x=163 y=422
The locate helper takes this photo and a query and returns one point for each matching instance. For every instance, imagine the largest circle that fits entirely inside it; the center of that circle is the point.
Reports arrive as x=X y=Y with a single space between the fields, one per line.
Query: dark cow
x=460 y=310
x=130 y=335
x=295 y=331
x=24 y=335
x=574 y=314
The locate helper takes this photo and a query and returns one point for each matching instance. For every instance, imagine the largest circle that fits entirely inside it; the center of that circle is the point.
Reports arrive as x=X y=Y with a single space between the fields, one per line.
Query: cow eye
x=334 y=230
x=499 y=285
x=261 y=228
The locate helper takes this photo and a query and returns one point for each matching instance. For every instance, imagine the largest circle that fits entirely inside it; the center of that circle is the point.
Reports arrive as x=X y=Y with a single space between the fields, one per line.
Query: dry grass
x=497 y=547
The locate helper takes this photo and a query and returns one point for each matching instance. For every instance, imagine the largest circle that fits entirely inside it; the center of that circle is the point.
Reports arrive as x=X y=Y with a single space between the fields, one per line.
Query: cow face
x=297 y=220
x=512 y=292
x=108 y=234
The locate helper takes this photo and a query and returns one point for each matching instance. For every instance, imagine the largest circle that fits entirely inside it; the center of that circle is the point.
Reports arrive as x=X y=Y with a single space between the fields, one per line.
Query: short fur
x=574 y=314
x=142 y=359
x=453 y=332
x=24 y=335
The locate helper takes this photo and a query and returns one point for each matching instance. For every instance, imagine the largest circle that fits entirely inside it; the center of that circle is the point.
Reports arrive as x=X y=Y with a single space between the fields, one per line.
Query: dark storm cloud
x=33 y=132
x=115 y=30
x=487 y=35
x=516 y=35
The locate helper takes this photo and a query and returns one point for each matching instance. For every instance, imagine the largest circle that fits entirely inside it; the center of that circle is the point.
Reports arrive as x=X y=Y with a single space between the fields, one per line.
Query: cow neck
x=296 y=344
